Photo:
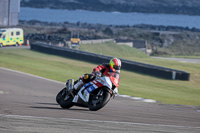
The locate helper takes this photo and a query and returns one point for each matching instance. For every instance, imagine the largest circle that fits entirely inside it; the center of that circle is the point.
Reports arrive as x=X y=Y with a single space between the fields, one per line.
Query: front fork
x=70 y=86
x=100 y=93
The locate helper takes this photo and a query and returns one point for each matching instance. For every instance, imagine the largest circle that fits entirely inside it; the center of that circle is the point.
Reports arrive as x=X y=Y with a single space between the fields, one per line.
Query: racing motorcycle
x=94 y=94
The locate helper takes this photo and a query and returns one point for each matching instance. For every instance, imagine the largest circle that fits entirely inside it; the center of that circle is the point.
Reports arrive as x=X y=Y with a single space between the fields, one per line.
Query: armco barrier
x=138 y=67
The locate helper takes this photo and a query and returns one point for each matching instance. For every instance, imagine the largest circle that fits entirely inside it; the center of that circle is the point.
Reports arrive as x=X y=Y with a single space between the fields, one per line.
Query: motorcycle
x=94 y=94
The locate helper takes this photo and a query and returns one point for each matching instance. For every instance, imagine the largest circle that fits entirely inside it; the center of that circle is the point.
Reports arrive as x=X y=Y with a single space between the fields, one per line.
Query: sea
x=108 y=18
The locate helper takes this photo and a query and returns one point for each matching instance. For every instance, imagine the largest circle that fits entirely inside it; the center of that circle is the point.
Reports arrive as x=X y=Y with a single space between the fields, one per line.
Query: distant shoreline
x=133 y=11
x=168 y=7
x=108 y=18
x=88 y=25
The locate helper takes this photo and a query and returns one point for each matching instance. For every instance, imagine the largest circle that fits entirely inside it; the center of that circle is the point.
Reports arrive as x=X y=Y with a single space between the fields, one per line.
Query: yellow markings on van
x=11 y=36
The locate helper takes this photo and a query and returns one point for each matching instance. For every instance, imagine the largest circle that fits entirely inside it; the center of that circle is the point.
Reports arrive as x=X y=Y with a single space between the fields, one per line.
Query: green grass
x=126 y=52
x=112 y=49
x=134 y=84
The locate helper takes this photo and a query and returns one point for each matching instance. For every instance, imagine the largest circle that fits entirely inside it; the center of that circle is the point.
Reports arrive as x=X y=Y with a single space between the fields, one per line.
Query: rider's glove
x=98 y=74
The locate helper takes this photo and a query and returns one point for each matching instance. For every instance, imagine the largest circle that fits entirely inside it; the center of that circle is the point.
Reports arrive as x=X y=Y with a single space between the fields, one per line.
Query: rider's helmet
x=115 y=64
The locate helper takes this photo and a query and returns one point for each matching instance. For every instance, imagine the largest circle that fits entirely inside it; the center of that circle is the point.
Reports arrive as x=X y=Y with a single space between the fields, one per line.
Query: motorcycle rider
x=101 y=70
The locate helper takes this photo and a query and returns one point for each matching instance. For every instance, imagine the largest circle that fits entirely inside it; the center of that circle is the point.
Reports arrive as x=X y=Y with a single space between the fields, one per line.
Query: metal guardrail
x=147 y=69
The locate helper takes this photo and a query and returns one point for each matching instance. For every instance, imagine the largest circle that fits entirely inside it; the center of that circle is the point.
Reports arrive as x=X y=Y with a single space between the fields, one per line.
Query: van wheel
x=1 y=45
x=16 y=44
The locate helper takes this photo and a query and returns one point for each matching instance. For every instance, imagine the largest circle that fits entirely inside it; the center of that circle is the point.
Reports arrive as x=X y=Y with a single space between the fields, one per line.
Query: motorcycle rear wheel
x=100 y=102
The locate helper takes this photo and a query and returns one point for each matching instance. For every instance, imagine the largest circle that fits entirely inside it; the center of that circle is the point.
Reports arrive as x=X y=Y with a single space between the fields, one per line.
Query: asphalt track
x=27 y=104
x=184 y=60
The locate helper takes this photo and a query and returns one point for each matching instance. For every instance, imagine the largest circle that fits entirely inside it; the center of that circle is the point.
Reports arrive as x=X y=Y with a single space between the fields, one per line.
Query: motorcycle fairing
x=114 y=77
x=105 y=81
x=88 y=88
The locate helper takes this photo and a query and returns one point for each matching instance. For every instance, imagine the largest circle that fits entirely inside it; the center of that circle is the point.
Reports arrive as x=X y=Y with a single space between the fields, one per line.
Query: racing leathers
x=100 y=70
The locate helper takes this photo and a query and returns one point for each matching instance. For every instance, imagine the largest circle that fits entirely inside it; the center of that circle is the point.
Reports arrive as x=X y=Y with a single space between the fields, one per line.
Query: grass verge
x=134 y=84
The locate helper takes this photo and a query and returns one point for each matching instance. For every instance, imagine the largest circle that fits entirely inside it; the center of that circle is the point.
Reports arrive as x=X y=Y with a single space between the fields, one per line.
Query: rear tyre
x=95 y=103
x=1 y=45
x=16 y=44
x=64 y=99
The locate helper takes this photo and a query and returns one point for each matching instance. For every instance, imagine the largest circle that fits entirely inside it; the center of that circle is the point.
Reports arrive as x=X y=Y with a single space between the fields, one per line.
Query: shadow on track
x=58 y=107
x=48 y=103
x=37 y=107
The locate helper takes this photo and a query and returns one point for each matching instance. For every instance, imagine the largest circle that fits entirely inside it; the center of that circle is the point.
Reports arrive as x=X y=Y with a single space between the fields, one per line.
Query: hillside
x=184 y=43
x=190 y=7
x=111 y=49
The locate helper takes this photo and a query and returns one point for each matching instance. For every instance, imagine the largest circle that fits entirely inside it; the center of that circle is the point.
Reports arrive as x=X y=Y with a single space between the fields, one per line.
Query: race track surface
x=27 y=104
x=184 y=60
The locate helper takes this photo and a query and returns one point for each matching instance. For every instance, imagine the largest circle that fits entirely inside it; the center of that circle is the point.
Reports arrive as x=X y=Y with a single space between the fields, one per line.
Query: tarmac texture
x=27 y=104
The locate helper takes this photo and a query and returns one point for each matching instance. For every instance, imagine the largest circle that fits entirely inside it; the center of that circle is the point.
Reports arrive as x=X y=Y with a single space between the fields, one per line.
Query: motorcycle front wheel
x=64 y=99
x=98 y=99
x=61 y=94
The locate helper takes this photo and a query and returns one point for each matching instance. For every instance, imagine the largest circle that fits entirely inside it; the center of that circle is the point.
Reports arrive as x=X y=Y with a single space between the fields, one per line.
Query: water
x=108 y=18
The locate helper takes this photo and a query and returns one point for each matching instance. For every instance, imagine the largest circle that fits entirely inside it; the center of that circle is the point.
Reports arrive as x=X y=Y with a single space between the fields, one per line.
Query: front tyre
x=97 y=101
x=64 y=99
x=61 y=94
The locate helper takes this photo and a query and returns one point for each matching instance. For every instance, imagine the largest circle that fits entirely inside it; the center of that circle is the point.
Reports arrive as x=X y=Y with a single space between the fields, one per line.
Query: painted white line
x=138 y=98
x=185 y=62
x=149 y=101
x=126 y=96
x=97 y=121
x=1 y=92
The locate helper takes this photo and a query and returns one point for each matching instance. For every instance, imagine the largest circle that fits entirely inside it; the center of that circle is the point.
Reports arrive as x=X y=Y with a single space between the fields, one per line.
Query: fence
x=134 y=66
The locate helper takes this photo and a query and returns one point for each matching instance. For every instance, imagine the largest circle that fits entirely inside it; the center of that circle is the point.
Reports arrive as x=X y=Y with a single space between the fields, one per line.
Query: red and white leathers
x=103 y=69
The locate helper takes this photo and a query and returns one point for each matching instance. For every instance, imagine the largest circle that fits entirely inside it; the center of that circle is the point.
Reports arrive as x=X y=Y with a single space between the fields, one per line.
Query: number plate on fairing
x=90 y=89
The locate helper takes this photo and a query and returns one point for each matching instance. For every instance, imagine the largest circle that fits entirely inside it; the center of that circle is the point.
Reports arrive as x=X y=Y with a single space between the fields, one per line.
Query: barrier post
x=27 y=43
x=173 y=75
